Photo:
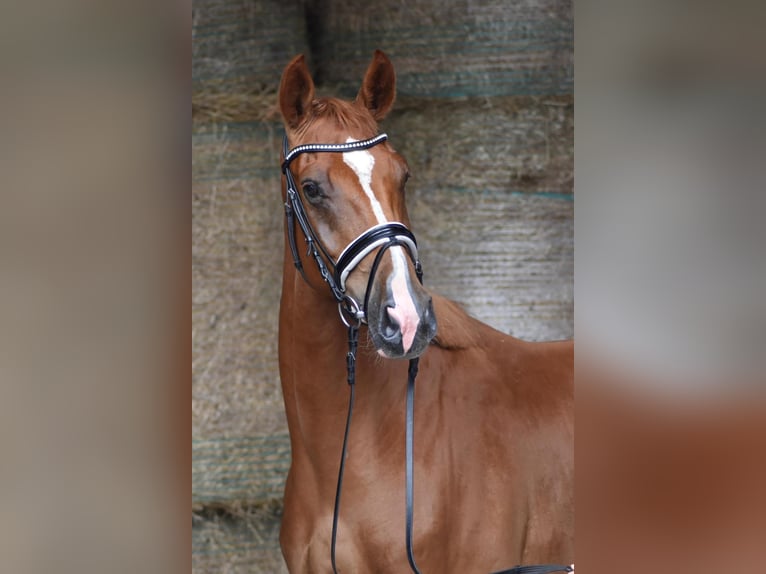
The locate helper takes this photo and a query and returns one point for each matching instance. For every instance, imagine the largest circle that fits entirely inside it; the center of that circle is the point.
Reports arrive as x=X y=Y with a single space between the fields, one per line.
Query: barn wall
x=489 y=138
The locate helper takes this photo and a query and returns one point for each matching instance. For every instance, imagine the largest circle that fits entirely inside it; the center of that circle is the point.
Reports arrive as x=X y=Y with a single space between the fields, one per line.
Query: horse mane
x=456 y=329
x=347 y=117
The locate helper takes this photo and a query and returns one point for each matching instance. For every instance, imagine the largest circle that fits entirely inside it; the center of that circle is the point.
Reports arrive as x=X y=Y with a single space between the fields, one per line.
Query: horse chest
x=370 y=530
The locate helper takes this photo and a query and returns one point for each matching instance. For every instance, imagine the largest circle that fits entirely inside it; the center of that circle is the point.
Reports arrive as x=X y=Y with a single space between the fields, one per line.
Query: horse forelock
x=333 y=119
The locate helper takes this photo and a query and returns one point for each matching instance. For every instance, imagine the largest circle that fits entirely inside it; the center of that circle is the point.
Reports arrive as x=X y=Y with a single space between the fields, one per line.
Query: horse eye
x=311 y=191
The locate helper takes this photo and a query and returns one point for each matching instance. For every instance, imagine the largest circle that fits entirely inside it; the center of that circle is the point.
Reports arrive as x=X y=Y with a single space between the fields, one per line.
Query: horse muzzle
x=402 y=326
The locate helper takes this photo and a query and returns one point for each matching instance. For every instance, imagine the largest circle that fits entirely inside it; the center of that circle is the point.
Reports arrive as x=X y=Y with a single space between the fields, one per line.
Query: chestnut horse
x=493 y=430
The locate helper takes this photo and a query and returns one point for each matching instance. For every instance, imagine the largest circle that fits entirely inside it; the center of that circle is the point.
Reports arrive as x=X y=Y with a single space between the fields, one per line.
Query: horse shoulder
x=527 y=385
x=549 y=369
x=514 y=401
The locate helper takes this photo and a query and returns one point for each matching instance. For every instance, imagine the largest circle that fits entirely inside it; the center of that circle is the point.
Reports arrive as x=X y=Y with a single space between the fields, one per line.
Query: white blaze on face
x=404 y=311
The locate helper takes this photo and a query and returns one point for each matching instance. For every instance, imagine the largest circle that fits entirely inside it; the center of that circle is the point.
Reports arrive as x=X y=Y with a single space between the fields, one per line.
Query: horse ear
x=296 y=92
x=378 y=89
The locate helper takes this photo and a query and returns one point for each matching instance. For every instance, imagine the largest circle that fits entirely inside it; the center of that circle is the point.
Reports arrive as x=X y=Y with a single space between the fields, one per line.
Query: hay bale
x=451 y=49
x=242 y=45
x=237 y=540
x=492 y=144
x=508 y=258
x=490 y=200
x=239 y=470
x=213 y=105
x=237 y=251
x=231 y=471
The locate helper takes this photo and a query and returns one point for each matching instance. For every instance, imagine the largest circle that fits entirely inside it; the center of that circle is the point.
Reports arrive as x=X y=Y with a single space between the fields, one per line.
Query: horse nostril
x=390 y=325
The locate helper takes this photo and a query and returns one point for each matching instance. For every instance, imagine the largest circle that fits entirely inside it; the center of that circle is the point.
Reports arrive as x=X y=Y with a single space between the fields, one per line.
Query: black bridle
x=334 y=273
x=353 y=314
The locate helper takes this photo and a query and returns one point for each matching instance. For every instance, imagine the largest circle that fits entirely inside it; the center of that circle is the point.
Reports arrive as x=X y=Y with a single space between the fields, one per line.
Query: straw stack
x=484 y=117
x=240 y=447
x=452 y=49
x=242 y=45
x=237 y=540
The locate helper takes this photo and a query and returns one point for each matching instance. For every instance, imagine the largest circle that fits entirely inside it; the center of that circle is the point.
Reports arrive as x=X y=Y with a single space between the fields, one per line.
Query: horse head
x=352 y=198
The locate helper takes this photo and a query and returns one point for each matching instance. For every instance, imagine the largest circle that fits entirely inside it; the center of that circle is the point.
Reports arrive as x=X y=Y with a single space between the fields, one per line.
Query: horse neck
x=312 y=340
x=313 y=344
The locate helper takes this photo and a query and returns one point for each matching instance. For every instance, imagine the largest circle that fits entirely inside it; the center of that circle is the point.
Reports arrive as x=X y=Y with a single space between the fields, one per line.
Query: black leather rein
x=353 y=314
